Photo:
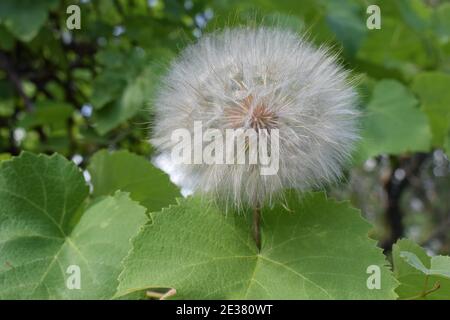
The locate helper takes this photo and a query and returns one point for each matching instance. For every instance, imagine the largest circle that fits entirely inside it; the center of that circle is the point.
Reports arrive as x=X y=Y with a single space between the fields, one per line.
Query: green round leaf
x=319 y=249
x=43 y=238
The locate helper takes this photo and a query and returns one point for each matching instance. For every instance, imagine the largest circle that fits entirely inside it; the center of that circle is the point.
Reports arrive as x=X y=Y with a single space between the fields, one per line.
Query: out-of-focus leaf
x=394 y=47
x=415 y=13
x=433 y=89
x=108 y=11
x=135 y=98
x=47 y=112
x=107 y=87
x=134 y=174
x=347 y=20
x=441 y=21
x=122 y=90
x=110 y=58
x=393 y=122
x=24 y=18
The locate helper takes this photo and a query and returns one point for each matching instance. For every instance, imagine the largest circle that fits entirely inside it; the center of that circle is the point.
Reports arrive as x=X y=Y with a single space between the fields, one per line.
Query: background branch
x=7 y=65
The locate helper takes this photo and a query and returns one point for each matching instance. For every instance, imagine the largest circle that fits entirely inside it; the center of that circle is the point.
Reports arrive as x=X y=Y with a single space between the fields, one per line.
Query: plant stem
x=256 y=226
x=160 y=295
x=7 y=65
x=425 y=293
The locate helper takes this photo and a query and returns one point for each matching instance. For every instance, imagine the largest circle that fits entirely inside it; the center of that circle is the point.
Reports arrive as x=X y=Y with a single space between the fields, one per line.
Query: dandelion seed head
x=260 y=78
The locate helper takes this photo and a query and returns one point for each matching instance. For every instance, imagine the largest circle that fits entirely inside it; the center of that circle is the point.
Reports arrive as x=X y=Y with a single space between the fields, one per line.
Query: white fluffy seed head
x=280 y=81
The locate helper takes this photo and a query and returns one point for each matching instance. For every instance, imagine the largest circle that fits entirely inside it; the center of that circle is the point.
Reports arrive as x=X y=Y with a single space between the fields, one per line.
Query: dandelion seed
x=260 y=78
